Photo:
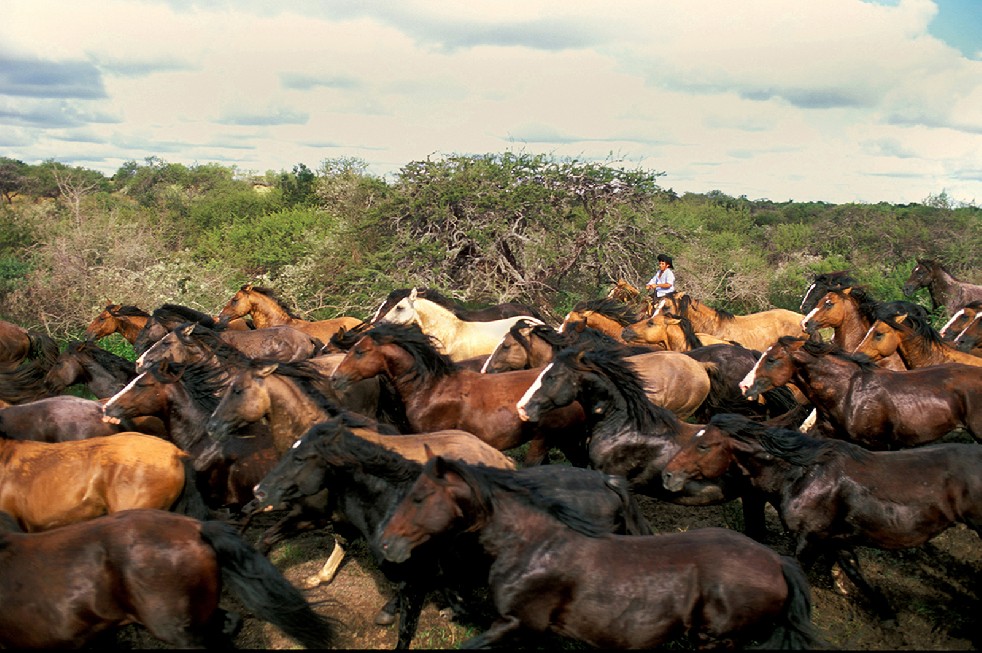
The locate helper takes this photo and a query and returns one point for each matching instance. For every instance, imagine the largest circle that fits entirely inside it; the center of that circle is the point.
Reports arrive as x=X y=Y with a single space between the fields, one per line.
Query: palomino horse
x=366 y=479
x=904 y=328
x=124 y=319
x=46 y=485
x=84 y=362
x=268 y=310
x=872 y=406
x=640 y=302
x=438 y=394
x=849 y=312
x=160 y=570
x=668 y=332
x=485 y=314
x=459 y=339
x=753 y=331
x=553 y=570
x=945 y=290
x=834 y=495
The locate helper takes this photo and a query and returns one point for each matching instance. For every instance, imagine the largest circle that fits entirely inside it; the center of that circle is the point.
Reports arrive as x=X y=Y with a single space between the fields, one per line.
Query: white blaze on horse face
x=484 y=368
x=112 y=400
x=562 y=327
x=527 y=397
x=810 y=315
x=801 y=307
x=751 y=375
x=944 y=330
x=378 y=313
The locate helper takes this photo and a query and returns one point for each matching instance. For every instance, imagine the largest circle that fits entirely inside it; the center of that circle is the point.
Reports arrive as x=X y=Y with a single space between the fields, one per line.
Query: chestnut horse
x=170 y=316
x=124 y=319
x=639 y=302
x=268 y=310
x=872 y=406
x=606 y=315
x=753 y=331
x=437 y=394
x=905 y=328
x=961 y=319
x=945 y=289
x=45 y=485
x=64 y=587
x=834 y=495
x=553 y=570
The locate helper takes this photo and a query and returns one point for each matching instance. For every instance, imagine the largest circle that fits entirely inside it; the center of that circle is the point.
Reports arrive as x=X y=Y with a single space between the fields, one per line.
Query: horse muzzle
x=674 y=481
x=395 y=548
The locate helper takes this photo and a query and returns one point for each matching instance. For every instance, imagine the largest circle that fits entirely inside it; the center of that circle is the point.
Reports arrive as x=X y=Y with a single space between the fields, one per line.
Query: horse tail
x=263 y=590
x=634 y=519
x=794 y=630
x=191 y=502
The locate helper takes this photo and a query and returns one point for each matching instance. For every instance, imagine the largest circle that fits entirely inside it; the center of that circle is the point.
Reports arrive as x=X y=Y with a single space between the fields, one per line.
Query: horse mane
x=820 y=348
x=208 y=338
x=489 y=482
x=204 y=382
x=344 y=339
x=340 y=447
x=688 y=331
x=917 y=320
x=270 y=294
x=126 y=310
x=612 y=365
x=834 y=280
x=787 y=444
x=430 y=362
x=865 y=302
x=610 y=308
x=102 y=357
x=176 y=313
x=684 y=302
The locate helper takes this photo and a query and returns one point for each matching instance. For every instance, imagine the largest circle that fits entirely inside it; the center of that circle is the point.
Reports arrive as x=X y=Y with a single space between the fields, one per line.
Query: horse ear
x=247 y=287
x=900 y=317
x=266 y=370
x=847 y=291
x=672 y=320
x=189 y=329
x=412 y=294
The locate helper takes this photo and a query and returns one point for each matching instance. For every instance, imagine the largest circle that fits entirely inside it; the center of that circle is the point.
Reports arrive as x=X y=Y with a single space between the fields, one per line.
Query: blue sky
x=832 y=100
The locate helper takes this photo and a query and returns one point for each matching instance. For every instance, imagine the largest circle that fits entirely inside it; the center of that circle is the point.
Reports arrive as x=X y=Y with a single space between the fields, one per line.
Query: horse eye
x=702 y=448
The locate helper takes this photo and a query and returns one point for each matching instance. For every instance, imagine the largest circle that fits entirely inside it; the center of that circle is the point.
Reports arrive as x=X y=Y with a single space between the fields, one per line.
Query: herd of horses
x=484 y=454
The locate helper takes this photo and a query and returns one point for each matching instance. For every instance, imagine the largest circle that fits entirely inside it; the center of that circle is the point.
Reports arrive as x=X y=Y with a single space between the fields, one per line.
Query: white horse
x=459 y=339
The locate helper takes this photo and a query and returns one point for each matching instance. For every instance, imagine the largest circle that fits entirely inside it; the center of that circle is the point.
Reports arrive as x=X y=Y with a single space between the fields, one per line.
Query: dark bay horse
x=905 y=328
x=268 y=310
x=125 y=319
x=484 y=314
x=437 y=394
x=171 y=316
x=67 y=587
x=833 y=495
x=57 y=419
x=753 y=330
x=969 y=339
x=945 y=289
x=554 y=571
x=872 y=406
x=627 y=434
x=84 y=362
x=365 y=480
x=46 y=485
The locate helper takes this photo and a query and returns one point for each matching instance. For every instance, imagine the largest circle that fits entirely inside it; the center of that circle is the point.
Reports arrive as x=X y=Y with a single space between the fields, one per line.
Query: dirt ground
x=935 y=589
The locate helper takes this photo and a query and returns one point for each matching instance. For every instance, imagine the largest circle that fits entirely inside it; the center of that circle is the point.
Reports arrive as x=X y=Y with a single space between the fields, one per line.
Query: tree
x=13 y=178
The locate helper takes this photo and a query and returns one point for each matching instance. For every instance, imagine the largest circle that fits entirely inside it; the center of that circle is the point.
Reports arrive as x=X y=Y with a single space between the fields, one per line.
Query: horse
x=554 y=571
x=84 y=362
x=183 y=397
x=606 y=315
x=19 y=346
x=849 y=312
x=459 y=339
x=872 y=406
x=125 y=319
x=627 y=434
x=268 y=310
x=485 y=314
x=57 y=419
x=275 y=343
x=69 y=586
x=834 y=495
x=170 y=316
x=944 y=289
x=668 y=332
x=639 y=302
x=45 y=485
x=437 y=394
x=961 y=319
x=969 y=340
x=366 y=478
x=904 y=328
x=753 y=331
x=822 y=284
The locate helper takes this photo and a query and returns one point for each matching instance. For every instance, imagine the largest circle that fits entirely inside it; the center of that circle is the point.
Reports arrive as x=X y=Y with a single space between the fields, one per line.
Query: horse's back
x=673 y=380
x=449 y=443
x=55 y=419
x=282 y=343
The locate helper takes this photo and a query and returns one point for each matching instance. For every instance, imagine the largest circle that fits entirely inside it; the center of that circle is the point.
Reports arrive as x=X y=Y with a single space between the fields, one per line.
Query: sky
x=803 y=100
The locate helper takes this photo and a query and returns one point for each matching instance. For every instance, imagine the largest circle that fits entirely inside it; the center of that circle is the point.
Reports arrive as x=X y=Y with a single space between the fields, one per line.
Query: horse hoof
x=384 y=618
x=312 y=582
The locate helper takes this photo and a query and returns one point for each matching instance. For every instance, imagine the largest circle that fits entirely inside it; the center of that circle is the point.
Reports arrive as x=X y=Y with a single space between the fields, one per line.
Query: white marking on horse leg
x=809 y=421
x=522 y=415
x=330 y=568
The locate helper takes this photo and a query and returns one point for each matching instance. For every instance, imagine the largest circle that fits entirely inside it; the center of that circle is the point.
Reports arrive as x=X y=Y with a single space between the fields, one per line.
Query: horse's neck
x=676 y=338
x=184 y=419
x=363 y=499
x=852 y=330
x=440 y=323
x=943 y=288
x=541 y=353
x=291 y=411
x=916 y=351
x=130 y=327
x=510 y=528
x=767 y=473
x=704 y=319
x=267 y=313
x=824 y=379
x=104 y=382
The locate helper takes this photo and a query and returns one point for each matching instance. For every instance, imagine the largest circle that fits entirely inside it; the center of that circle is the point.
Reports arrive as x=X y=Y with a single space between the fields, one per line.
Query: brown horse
x=835 y=495
x=57 y=419
x=437 y=394
x=945 y=289
x=124 y=319
x=268 y=310
x=961 y=319
x=668 y=332
x=84 y=362
x=849 y=312
x=19 y=346
x=872 y=406
x=753 y=331
x=608 y=316
x=64 y=587
x=553 y=569
x=969 y=340
x=45 y=485
x=905 y=328
x=639 y=302
x=170 y=316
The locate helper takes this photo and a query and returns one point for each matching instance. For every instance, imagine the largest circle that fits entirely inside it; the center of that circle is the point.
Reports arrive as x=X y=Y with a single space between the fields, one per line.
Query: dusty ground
x=936 y=589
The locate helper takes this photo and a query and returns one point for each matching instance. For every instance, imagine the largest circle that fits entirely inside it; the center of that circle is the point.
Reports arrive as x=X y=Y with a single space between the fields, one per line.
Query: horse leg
x=754 y=522
x=849 y=563
x=410 y=598
x=537 y=453
x=330 y=568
